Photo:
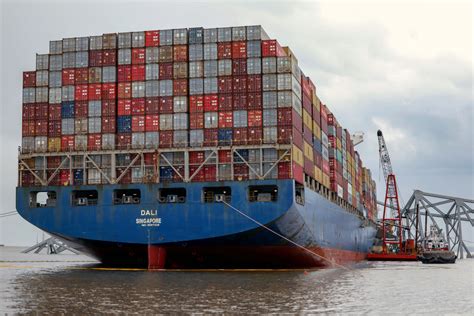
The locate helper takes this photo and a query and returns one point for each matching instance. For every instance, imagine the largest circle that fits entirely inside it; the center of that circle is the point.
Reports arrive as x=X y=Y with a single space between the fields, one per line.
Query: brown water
x=69 y=284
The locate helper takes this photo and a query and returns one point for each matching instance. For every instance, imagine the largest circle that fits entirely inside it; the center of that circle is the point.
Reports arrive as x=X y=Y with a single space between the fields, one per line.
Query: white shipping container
x=67 y=93
x=138 y=89
x=109 y=74
x=54 y=96
x=41 y=144
x=210 y=85
x=124 y=56
x=94 y=176
x=196 y=69
x=42 y=78
x=55 y=62
x=180 y=104
x=210 y=68
x=270 y=117
x=196 y=137
x=270 y=100
x=225 y=172
x=81 y=125
x=210 y=35
x=240 y=118
x=55 y=79
x=152 y=140
x=96 y=42
x=180 y=36
x=239 y=33
x=152 y=72
x=124 y=40
x=210 y=119
x=166 y=122
x=269 y=82
x=224 y=67
x=138 y=140
x=82 y=43
x=270 y=135
x=166 y=88
x=95 y=125
x=28 y=144
x=254 y=66
x=56 y=47
x=256 y=32
x=137 y=174
x=152 y=88
x=42 y=95
x=82 y=59
x=195 y=52
x=180 y=121
x=210 y=51
x=29 y=95
x=67 y=126
x=152 y=55
x=42 y=61
x=138 y=39
x=224 y=34
x=108 y=141
x=180 y=138
x=80 y=142
x=254 y=49
x=196 y=86
x=166 y=37
x=269 y=65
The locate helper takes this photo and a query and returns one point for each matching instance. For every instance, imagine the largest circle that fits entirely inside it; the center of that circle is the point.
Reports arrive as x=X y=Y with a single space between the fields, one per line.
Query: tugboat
x=434 y=249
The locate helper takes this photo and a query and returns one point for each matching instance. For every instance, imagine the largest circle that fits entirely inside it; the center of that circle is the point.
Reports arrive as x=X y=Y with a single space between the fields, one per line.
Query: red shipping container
x=180 y=87
x=124 y=73
x=28 y=128
x=152 y=105
x=240 y=101
x=210 y=173
x=307 y=134
x=254 y=83
x=152 y=38
x=239 y=136
x=317 y=159
x=196 y=157
x=254 y=100
x=224 y=50
x=127 y=176
x=210 y=137
x=109 y=91
x=309 y=167
x=41 y=111
x=271 y=48
x=326 y=169
x=239 y=67
x=96 y=58
x=138 y=55
x=298 y=173
x=180 y=53
x=196 y=120
x=95 y=91
x=297 y=138
x=284 y=170
x=64 y=177
x=41 y=128
x=254 y=118
x=108 y=124
x=152 y=123
x=166 y=139
x=124 y=90
x=307 y=104
x=224 y=84
x=239 y=84
x=138 y=106
x=27 y=179
x=81 y=92
x=67 y=142
x=108 y=107
x=29 y=79
x=239 y=49
x=225 y=102
x=225 y=156
x=196 y=103
x=124 y=140
x=166 y=105
x=54 y=111
x=81 y=109
x=324 y=112
x=151 y=159
x=225 y=119
x=124 y=107
x=138 y=72
x=28 y=112
x=109 y=57
x=241 y=172
x=68 y=77
x=94 y=142
x=255 y=135
x=53 y=162
x=288 y=133
x=166 y=71
x=81 y=76
x=211 y=103
x=197 y=176
x=288 y=116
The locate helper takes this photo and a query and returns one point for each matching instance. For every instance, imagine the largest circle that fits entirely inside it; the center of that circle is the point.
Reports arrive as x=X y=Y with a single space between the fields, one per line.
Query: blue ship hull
x=204 y=235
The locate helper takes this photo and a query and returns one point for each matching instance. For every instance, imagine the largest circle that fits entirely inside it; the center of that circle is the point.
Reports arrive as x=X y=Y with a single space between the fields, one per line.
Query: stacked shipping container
x=186 y=88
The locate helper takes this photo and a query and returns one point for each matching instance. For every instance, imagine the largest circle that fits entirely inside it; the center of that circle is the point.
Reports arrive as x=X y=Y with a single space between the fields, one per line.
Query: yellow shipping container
x=326 y=181
x=316 y=130
x=338 y=144
x=316 y=101
x=298 y=156
x=307 y=120
x=318 y=174
x=286 y=157
x=54 y=144
x=308 y=151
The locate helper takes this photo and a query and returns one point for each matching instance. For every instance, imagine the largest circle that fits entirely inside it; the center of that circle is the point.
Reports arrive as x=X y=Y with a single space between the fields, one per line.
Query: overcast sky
x=402 y=66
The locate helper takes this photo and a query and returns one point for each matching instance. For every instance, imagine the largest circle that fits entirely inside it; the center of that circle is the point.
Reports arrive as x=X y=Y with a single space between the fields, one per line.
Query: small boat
x=434 y=249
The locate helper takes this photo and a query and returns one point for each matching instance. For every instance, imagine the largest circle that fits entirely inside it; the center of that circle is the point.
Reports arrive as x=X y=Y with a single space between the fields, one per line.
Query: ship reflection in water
x=79 y=288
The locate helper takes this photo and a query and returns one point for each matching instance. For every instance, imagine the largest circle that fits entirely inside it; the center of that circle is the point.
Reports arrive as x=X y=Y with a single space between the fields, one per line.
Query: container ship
x=148 y=148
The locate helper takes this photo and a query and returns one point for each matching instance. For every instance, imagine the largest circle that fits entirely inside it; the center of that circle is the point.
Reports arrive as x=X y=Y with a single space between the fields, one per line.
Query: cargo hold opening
x=299 y=193
x=263 y=193
x=127 y=196
x=43 y=199
x=217 y=194
x=84 y=197
x=172 y=195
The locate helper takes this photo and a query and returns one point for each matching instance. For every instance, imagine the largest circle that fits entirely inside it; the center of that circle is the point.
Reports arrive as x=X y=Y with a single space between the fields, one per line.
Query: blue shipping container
x=244 y=153
x=166 y=173
x=67 y=109
x=78 y=177
x=317 y=145
x=224 y=136
x=124 y=124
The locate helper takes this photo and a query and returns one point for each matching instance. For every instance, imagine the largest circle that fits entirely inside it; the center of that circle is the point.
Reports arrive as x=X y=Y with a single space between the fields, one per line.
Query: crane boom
x=384 y=156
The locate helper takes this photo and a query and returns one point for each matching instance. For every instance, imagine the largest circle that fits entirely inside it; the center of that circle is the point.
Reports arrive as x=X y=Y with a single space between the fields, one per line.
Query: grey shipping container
x=269 y=135
x=28 y=144
x=180 y=121
x=196 y=86
x=108 y=141
x=152 y=54
x=152 y=72
x=166 y=37
x=270 y=155
x=225 y=172
x=80 y=125
x=196 y=137
x=240 y=118
x=224 y=34
x=29 y=95
x=82 y=59
x=67 y=126
x=254 y=66
x=254 y=49
x=270 y=99
x=180 y=138
x=42 y=78
x=180 y=36
x=166 y=88
x=54 y=95
x=224 y=67
x=254 y=155
x=195 y=52
x=55 y=62
x=210 y=68
x=195 y=35
x=41 y=144
x=211 y=120
x=210 y=85
x=95 y=125
x=210 y=51
x=239 y=33
x=124 y=40
x=269 y=82
x=152 y=88
x=270 y=117
x=67 y=93
x=256 y=32
x=82 y=44
x=94 y=176
x=270 y=171
x=152 y=139
x=138 y=89
x=210 y=35
x=254 y=174
x=94 y=109
x=138 y=39
x=166 y=122
x=42 y=61
x=269 y=65
x=109 y=74
x=96 y=42
x=55 y=79
x=138 y=140
x=196 y=69
x=69 y=60
x=180 y=70
x=180 y=104
x=137 y=174
x=56 y=47
x=124 y=56
x=69 y=44
x=42 y=95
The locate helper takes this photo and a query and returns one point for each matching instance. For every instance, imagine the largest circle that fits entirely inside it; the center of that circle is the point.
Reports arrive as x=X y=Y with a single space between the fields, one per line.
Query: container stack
x=197 y=89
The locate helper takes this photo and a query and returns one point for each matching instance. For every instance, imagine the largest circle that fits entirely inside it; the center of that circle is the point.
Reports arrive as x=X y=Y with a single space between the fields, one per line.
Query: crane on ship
x=393 y=246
